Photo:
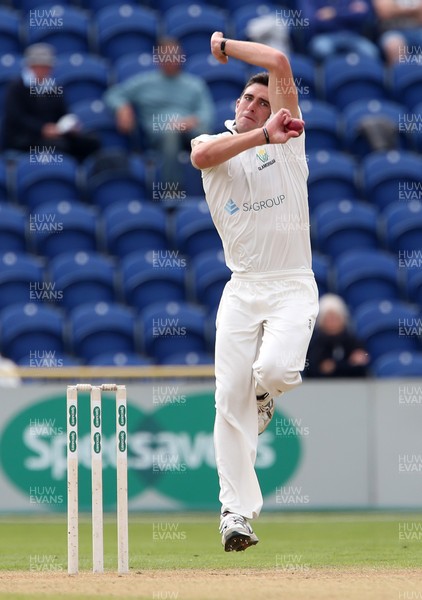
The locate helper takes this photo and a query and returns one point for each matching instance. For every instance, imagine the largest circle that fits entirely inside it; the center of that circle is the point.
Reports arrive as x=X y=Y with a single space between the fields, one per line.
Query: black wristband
x=267 y=137
x=223 y=47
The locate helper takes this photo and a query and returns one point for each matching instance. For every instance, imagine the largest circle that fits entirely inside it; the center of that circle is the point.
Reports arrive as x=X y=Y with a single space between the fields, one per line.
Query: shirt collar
x=229 y=124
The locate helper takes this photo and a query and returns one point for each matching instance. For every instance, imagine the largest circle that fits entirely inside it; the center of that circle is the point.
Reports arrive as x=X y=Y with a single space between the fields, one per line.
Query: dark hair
x=261 y=78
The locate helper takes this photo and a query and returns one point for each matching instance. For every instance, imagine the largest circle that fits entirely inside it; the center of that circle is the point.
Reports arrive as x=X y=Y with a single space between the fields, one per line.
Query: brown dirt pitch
x=274 y=584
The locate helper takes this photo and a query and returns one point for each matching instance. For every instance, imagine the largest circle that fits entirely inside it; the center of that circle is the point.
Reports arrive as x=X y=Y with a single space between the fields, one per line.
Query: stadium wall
x=336 y=445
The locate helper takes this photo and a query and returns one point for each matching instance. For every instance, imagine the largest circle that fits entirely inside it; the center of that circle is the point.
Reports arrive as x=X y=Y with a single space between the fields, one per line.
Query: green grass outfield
x=180 y=541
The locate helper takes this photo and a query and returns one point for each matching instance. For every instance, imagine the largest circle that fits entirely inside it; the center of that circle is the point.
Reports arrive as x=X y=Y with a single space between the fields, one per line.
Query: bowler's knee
x=275 y=377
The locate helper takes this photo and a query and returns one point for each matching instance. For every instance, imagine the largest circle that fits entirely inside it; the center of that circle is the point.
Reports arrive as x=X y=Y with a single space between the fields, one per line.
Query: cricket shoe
x=265 y=411
x=236 y=532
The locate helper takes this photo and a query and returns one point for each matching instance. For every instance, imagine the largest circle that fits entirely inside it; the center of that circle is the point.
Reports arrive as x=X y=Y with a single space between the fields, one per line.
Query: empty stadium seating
x=398 y=364
x=132 y=226
x=193 y=231
x=207 y=277
x=341 y=225
x=193 y=24
x=387 y=326
x=332 y=176
x=83 y=277
x=45 y=174
x=31 y=330
x=147 y=276
x=12 y=229
x=69 y=31
x=60 y=226
x=96 y=327
x=353 y=77
x=21 y=278
x=391 y=177
x=93 y=231
x=364 y=275
x=170 y=328
x=125 y=29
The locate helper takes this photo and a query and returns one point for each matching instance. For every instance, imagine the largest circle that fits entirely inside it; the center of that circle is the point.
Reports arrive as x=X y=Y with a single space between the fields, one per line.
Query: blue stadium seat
x=391 y=177
x=164 y=5
x=403 y=226
x=83 y=277
x=114 y=175
x=130 y=65
x=332 y=176
x=387 y=326
x=147 y=276
x=4 y=183
x=321 y=125
x=321 y=269
x=189 y=358
x=193 y=24
x=224 y=110
x=358 y=113
x=172 y=327
x=120 y=359
x=399 y=364
x=353 y=77
x=233 y=6
x=304 y=73
x=83 y=77
x=365 y=275
x=125 y=29
x=10 y=42
x=243 y=14
x=193 y=230
x=71 y=34
x=12 y=229
x=31 y=330
x=62 y=226
x=97 y=118
x=102 y=326
x=225 y=82
x=406 y=84
x=44 y=176
x=338 y=226
x=96 y=5
x=10 y=68
x=41 y=14
x=414 y=127
x=207 y=276
x=131 y=226
x=21 y=278
x=413 y=264
x=189 y=181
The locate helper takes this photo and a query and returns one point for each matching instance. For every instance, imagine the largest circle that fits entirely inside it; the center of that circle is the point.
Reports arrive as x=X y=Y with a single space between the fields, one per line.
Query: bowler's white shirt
x=258 y=201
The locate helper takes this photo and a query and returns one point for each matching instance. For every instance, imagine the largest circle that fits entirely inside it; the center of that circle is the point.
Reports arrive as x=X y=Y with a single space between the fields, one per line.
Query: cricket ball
x=295 y=125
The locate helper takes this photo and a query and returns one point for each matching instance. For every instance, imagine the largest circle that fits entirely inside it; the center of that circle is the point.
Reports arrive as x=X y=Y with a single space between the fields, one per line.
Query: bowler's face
x=252 y=108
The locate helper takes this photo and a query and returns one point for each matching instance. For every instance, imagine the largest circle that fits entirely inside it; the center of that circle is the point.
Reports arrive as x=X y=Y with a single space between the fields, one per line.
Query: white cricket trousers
x=263 y=331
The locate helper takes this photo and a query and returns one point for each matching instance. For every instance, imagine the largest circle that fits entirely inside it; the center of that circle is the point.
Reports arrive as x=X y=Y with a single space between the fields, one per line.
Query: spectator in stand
x=400 y=25
x=36 y=115
x=172 y=106
x=334 y=350
x=338 y=26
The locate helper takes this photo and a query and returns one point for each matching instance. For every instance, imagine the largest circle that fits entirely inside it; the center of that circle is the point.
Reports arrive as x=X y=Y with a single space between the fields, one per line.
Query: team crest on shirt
x=262 y=155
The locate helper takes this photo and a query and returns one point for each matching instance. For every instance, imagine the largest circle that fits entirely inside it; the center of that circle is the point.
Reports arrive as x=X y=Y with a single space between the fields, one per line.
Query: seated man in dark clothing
x=36 y=115
x=334 y=350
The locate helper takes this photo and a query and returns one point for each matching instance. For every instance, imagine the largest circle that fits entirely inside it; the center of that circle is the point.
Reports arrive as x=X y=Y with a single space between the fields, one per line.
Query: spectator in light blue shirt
x=172 y=106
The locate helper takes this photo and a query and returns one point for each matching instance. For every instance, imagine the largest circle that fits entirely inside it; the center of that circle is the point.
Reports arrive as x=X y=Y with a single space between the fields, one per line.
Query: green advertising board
x=170 y=451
